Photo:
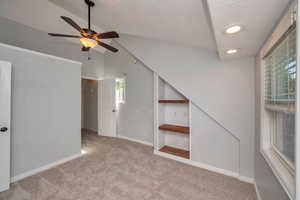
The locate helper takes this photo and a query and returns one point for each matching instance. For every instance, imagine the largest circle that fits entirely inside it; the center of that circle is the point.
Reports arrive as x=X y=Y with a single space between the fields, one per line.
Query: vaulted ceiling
x=199 y=23
x=178 y=21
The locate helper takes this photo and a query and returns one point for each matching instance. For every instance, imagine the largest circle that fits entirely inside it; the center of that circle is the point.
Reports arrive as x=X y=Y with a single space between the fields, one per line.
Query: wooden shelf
x=175 y=152
x=174 y=101
x=178 y=129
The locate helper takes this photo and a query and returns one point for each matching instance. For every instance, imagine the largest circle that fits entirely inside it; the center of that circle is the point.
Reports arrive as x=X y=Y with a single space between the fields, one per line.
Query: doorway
x=89 y=106
x=5 y=115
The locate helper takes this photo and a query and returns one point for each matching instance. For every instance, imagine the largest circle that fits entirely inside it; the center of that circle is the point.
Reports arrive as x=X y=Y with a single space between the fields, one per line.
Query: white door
x=109 y=117
x=5 y=95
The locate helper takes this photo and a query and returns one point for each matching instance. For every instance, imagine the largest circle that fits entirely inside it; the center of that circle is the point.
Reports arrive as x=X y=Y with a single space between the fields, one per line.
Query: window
x=120 y=90
x=280 y=96
x=278 y=133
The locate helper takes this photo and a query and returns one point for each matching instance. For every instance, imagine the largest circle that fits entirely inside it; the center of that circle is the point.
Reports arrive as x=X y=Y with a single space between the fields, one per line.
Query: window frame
x=282 y=169
x=277 y=163
x=123 y=100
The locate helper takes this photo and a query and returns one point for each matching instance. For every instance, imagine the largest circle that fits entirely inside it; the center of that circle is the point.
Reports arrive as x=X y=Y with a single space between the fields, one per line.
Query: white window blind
x=280 y=74
x=280 y=95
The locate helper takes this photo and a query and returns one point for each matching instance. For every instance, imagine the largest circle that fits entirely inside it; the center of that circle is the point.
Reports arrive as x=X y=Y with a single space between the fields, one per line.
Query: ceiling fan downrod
x=89 y=4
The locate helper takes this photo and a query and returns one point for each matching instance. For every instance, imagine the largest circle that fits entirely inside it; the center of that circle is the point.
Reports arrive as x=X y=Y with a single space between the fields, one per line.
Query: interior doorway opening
x=89 y=110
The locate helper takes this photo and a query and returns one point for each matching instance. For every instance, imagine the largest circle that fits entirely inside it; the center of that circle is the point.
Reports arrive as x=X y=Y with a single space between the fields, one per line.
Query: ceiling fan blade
x=108 y=47
x=108 y=35
x=85 y=48
x=72 y=23
x=63 y=35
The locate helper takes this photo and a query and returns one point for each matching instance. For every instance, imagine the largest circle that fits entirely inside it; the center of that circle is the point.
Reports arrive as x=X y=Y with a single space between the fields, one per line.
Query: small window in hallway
x=120 y=90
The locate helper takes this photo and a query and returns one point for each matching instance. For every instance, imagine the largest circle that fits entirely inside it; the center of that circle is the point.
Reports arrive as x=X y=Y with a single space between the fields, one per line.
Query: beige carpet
x=115 y=169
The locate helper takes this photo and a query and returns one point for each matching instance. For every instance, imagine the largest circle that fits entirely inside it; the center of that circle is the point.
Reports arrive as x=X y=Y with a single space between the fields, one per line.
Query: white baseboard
x=134 y=140
x=205 y=166
x=46 y=167
x=4 y=188
x=257 y=192
x=247 y=179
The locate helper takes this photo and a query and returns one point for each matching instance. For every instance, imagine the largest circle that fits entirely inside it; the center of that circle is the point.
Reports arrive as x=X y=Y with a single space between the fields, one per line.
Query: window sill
x=285 y=178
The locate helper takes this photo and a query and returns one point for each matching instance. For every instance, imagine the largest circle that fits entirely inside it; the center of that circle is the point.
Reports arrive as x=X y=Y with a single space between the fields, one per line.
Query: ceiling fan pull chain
x=89 y=57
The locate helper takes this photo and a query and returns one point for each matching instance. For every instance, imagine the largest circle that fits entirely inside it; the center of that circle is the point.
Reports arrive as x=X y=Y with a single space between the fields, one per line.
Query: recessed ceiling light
x=231 y=51
x=233 y=29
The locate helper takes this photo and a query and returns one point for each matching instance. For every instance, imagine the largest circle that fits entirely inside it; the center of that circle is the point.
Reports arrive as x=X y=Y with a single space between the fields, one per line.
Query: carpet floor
x=116 y=169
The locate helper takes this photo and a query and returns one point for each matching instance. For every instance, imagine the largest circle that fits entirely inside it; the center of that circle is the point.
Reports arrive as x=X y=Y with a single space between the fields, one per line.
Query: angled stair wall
x=222 y=92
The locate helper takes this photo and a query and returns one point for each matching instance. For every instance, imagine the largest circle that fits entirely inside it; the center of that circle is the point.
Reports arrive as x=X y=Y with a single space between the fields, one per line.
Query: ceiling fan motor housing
x=90 y=3
x=88 y=33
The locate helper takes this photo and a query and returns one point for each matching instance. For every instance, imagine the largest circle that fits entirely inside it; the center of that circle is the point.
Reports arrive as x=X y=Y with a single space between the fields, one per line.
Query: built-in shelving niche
x=172 y=124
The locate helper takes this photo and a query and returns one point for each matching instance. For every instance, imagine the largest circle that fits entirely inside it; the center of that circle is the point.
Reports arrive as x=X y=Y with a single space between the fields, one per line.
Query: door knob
x=114 y=110
x=3 y=129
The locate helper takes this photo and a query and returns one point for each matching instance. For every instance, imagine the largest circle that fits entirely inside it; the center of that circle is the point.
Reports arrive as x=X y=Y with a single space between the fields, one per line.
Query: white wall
x=23 y=36
x=223 y=90
x=211 y=145
x=45 y=109
x=135 y=119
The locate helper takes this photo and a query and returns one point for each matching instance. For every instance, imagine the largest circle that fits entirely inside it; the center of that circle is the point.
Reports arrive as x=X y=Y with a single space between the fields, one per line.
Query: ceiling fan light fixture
x=88 y=43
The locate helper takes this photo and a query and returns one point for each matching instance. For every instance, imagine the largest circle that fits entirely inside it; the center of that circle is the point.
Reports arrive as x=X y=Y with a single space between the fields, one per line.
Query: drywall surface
x=26 y=37
x=89 y=104
x=45 y=109
x=223 y=90
x=135 y=117
x=210 y=143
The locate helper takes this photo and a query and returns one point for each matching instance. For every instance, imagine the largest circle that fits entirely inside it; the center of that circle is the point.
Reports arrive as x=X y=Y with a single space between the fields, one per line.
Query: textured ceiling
x=179 y=21
x=258 y=18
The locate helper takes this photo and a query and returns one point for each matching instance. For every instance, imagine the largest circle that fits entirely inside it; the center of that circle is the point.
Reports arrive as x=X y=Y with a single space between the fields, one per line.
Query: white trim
x=190 y=125
x=100 y=108
x=39 y=53
x=281 y=173
x=90 y=78
x=246 y=179
x=2 y=189
x=298 y=112
x=134 y=140
x=206 y=166
x=156 y=111
x=257 y=192
x=46 y=167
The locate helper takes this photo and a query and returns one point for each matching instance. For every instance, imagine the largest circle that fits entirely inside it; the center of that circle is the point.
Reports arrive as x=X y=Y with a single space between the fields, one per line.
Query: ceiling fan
x=88 y=37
